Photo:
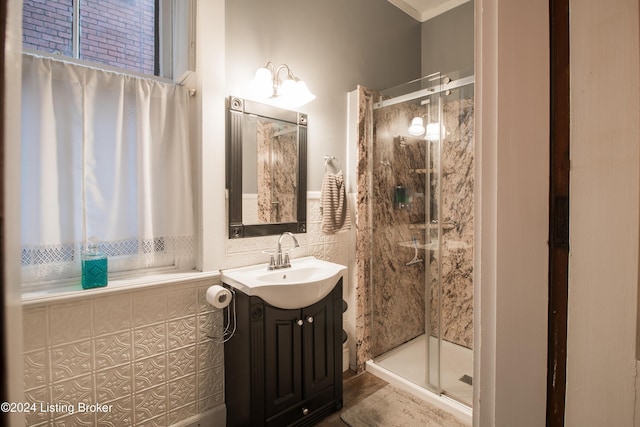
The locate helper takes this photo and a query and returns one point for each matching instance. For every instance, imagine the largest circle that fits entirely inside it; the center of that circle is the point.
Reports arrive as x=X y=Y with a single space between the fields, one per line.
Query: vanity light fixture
x=289 y=91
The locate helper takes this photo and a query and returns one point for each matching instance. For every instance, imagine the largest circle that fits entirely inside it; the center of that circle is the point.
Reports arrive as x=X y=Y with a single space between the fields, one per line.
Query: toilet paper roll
x=218 y=296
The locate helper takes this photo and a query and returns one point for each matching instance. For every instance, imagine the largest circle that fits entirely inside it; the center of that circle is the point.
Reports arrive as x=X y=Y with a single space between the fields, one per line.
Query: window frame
x=170 y=64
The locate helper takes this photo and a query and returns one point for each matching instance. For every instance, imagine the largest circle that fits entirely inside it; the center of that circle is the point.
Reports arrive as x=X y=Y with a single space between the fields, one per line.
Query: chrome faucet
x=277 y=261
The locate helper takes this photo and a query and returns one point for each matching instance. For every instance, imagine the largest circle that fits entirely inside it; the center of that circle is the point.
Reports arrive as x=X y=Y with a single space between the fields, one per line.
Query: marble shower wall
x=398 y=289
x=363 y=260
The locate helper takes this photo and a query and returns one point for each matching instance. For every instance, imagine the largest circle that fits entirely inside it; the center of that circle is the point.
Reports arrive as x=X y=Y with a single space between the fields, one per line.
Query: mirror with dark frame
x=266 y=169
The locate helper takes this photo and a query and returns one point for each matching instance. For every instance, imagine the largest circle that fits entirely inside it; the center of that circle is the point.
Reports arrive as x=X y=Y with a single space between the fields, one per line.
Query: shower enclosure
x=415 y=232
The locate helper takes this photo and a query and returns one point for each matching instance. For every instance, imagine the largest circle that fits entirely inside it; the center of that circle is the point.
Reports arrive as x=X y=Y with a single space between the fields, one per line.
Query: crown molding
x=423 y=13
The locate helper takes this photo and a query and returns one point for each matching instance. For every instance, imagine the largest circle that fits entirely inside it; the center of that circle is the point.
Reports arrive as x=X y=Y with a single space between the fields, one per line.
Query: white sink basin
x=306 y=282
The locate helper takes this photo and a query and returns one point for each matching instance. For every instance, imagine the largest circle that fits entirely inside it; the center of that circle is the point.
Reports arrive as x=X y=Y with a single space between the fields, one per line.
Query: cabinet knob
x=305 y=411
x=310 y=319
x=299 y=322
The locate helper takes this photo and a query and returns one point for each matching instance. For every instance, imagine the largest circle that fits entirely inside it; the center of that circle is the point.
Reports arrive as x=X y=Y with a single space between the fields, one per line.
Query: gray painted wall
x=333 y=45
x=447 y=42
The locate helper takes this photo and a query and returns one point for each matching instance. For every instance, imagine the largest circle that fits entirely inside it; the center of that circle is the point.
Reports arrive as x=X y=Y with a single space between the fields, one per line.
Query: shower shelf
x=433 y=246
x=445 y=226
x=423 y=171
x=431 y=171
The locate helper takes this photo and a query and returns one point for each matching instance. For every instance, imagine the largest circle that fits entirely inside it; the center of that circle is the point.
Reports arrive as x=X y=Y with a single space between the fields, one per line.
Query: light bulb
x=262 y=84
x=417 y=126
x=435 y=131
x=287 y=87
x=301 y=95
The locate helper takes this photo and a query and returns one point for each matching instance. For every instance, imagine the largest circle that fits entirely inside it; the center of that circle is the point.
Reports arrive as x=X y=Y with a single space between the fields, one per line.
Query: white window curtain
x=104 y=156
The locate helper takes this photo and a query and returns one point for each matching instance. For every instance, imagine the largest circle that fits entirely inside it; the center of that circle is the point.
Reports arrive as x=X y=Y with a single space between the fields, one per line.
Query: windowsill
x=74 y=291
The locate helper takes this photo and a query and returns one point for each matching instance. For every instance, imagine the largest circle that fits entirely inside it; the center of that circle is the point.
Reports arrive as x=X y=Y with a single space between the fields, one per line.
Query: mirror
x=266 y=169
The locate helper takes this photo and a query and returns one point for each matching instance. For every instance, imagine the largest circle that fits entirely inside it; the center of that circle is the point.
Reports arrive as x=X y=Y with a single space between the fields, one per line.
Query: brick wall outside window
x=118 y=33
x=47 y=25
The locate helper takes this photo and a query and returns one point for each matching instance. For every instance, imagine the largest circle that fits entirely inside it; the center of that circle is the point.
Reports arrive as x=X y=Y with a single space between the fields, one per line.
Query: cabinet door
x=319 y=346
x=283 y=358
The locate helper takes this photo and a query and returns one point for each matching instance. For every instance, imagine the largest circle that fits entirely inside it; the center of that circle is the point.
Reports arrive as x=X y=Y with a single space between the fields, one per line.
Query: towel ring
x=331 y=159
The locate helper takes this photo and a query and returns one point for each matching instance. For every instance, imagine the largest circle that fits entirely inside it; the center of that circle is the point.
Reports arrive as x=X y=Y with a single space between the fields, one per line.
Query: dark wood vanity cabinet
x=284 y=367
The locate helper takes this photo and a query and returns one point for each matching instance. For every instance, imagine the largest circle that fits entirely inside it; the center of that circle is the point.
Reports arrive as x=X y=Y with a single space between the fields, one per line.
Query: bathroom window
x=134 y=35
x=105 y=157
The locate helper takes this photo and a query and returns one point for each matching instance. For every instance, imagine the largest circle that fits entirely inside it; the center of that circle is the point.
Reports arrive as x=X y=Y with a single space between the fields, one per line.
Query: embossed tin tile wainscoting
x=145 y=353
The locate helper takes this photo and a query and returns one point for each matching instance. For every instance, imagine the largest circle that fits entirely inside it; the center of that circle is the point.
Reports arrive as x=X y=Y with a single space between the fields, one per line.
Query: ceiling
x=423 y=10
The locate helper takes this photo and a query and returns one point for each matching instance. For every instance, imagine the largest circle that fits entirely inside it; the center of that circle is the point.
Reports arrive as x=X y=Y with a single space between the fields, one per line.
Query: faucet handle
x=287 y=261
x=272 y=260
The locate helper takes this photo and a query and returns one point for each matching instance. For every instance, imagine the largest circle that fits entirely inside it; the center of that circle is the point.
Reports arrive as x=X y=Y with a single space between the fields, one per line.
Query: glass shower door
x=455 y=230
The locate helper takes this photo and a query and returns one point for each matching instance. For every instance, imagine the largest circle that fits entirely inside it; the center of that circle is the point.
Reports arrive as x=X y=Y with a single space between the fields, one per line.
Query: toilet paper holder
x=219 y=296
x=229 y=323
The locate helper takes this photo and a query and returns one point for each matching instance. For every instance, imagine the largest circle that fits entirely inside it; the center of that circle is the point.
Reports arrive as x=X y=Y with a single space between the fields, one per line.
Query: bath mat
x=392 y=407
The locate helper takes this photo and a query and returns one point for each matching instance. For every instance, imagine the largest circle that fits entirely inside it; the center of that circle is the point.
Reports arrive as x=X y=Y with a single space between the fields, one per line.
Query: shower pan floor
x=408 y=361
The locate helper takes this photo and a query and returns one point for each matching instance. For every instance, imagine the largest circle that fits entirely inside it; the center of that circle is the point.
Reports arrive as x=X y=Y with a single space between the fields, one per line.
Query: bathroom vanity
x=283 y=366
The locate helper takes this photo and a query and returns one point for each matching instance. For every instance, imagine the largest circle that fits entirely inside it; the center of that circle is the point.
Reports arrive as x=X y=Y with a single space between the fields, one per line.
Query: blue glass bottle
x=94 y=267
